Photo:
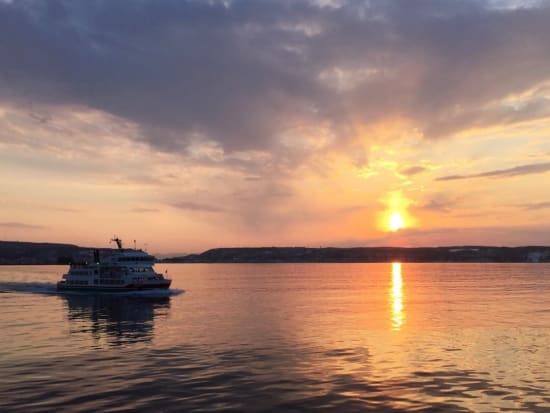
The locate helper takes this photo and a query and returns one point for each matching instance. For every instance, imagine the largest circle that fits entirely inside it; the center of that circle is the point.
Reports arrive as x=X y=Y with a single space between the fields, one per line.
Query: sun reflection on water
x=396 y=297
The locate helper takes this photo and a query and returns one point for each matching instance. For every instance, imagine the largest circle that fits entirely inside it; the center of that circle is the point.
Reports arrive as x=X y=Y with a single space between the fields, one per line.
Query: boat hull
x=109 y=289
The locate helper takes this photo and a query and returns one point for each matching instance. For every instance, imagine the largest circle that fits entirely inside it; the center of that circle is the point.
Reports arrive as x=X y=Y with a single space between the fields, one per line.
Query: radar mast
x=118 y=242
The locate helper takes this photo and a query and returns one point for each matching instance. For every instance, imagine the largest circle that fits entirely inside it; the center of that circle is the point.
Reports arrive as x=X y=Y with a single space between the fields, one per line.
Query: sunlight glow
x=396 y=221
x=396 y=297
x=396 y=215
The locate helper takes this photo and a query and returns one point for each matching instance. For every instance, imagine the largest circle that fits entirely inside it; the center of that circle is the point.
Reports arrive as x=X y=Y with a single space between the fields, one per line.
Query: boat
x=113 y=270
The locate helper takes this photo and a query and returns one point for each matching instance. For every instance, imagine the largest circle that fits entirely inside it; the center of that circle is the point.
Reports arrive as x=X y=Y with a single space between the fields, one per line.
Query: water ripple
x=186 y=378
x=281 y=338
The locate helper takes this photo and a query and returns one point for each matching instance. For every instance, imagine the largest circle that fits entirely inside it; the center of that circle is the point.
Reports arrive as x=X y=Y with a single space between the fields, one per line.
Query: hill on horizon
x=369 y=254
x=31 y=253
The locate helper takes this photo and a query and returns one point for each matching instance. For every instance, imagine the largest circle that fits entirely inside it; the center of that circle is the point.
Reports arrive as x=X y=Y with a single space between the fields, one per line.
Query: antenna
x=134 y=244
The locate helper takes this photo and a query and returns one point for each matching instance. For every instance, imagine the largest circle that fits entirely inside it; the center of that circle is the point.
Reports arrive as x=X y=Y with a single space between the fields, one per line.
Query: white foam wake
x=28 y=287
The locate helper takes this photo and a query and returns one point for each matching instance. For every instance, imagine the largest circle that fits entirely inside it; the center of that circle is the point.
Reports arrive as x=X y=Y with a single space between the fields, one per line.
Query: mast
x=118 y=242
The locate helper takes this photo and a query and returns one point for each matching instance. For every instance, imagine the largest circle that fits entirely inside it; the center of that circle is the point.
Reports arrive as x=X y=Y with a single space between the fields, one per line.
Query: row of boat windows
x=77 y=282
x=103 y=281
x=125 y=270
x=82 y=272
x=111 y=282
x=111 y=275
x=89 y=272
x=127 y=259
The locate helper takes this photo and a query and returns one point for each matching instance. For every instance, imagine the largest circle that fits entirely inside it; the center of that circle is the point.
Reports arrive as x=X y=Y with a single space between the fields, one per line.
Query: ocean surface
x=282 y=338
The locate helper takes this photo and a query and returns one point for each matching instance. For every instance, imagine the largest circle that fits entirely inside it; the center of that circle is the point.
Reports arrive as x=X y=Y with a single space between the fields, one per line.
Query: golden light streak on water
x=396 y=297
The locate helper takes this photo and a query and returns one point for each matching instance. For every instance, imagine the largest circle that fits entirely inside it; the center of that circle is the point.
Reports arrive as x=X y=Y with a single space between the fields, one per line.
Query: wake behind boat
x=121 y=269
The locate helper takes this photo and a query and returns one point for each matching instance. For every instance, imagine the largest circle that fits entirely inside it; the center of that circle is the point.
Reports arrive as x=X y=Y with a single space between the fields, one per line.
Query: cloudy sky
x=188 y=125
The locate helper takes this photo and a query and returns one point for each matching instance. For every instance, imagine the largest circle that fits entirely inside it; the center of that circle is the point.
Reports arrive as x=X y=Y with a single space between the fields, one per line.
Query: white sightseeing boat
x=120 y=269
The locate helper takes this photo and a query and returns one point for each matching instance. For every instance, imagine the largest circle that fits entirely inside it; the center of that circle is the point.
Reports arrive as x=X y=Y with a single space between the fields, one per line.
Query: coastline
x=28 y=253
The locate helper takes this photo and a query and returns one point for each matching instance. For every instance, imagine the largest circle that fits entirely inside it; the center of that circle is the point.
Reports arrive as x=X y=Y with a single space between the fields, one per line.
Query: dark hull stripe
x=114 y=289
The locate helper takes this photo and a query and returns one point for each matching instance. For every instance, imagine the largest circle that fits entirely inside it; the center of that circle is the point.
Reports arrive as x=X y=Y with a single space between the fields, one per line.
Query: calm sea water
x=282 y=338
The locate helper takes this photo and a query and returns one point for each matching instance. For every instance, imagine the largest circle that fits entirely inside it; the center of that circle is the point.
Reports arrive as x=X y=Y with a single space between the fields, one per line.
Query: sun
x=396 y=221
x=396 y=216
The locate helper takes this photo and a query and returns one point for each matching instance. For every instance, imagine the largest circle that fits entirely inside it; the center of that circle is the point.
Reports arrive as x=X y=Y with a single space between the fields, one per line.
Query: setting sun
x=396 y=221
x=396 y=215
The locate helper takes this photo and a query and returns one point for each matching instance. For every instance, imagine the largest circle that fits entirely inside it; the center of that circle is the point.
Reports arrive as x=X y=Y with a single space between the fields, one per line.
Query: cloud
x=503 y=173
x=20 y=225
x=437 y=205
x=412 y=170
x=144 y=210
x=258 y=101
x=243 y=75
x=487 y=235
x=195 y=206
x=63 y=209
x=536 y=206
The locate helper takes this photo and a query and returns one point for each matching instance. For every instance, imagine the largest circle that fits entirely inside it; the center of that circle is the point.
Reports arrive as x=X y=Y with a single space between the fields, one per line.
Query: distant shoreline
x=29 y=253
x=368 y=254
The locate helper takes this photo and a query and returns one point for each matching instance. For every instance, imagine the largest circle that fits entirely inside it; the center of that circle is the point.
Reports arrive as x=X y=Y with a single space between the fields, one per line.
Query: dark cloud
x=503 y=173
x=19 y=225
x=243 y=72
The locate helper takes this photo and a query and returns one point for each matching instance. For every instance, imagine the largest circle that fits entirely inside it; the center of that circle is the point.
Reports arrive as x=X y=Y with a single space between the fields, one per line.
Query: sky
x=188 y=124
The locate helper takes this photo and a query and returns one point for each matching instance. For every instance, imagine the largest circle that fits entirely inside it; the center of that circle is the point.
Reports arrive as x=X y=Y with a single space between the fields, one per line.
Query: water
x=282 y=338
